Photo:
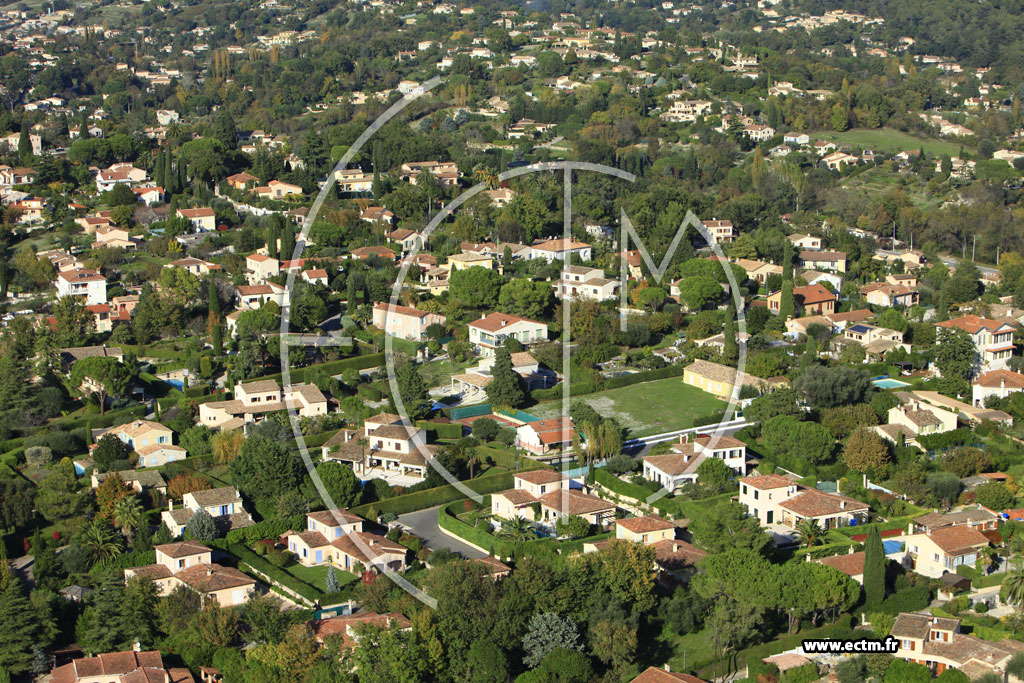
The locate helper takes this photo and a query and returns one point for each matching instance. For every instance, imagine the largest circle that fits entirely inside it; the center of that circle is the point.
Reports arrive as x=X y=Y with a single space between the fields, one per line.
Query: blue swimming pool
x=176 y=383
x=890 y=383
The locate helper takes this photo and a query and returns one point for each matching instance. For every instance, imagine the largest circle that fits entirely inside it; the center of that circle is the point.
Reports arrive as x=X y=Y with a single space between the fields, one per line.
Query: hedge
x=428 y=498
x=334 y=367
x=587 y=387
x=97 y=421
x=279 y=575
x=843 y=624
x=640 y=494
x=269 y=528
x=447 y=520
x=451 y=430
x=825 y=550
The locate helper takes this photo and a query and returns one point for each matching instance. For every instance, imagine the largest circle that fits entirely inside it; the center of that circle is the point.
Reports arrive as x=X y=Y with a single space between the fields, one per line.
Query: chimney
x=851 y=550
x=170 y=505
x=136 y=646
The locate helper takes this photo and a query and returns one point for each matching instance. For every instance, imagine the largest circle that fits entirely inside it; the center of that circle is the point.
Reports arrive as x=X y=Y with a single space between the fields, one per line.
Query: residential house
x=720 y=230
x=876 y=341
x=686 y=111
x=758 y=270
x=836 y=160
x=979 y=518
x=937 y=643
x=586 y=283
x=552 y=249
x=446 y=172
x=655 y=675
x=998 y=383
x=546 y=437
x=202 y=219
x=377 y=214
x=260 y=267
x=405 y=322
x=556 y=499
x=472 y=385
x=406 y=239
x=223 y=504
x=195 y=266
x=774 y=499
x=348 y=627
x=679 y=468
x=149 y=482
x=491 y=331
x=889 y=295
x=758 y=132
x=717 y=379
x=808 y=300
x=277 y=189
x=937 y=551
x=112 y=237
x=913 y=419
x=130 y=665
x=823 y=260
x=336 y=537
x=139 y=433
x=353 y=181
x=993 y=339
x=84 y=283
x=254 y=400
x=796 y=139
x=241 y=181
x=805 y=242
x=389 y=448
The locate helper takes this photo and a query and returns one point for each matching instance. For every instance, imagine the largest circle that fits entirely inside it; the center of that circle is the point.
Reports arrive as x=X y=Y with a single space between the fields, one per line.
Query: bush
x=621 y=464
x=277 y=557
x=267 y=529
x=485 y=429
x=910 y=599
x=442 y=430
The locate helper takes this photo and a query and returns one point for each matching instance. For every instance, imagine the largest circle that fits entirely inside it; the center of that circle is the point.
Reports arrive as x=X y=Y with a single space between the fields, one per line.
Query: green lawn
x=646 y=408
x=889 y=140
x=317 y=576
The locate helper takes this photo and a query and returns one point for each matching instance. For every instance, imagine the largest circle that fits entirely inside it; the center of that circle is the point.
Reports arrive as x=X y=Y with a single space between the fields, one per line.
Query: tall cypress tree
x=158 y=169
x=787 y=307
x=216 y=329
x=182 y=173
x=730 y=348
x=874 y=568
x=272 y=237
x=287 y=239
x=24 y=143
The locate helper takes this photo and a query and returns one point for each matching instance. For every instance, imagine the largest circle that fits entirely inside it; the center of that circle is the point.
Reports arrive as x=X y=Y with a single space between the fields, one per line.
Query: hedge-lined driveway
x=423 y=523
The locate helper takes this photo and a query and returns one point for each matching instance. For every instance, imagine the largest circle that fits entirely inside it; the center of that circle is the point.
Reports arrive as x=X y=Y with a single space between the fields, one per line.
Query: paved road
x=423 y=523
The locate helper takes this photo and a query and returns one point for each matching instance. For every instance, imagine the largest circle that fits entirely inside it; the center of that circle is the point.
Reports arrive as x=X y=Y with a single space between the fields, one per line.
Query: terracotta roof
x=822 y=256
x=767 y=481
x=378 y=545
x=675 y=465
x=972 y=323
x=196 y=213
x=340 y=626
x=517 y=496
x=218 y=496
x=813 y=294
x=395 y=309
x=151 y=572
x=497 y=321
x=331 y=517
x=541 y=476
x=655 y=675
x=814 y=503
x=108 y=664
x=996 y=378
x=719 y=373
x=182 y=549
x=851 y=564
x=208 y=578
x=918 y=625
x=643 y=525
x=574 y=502
x=957 y=539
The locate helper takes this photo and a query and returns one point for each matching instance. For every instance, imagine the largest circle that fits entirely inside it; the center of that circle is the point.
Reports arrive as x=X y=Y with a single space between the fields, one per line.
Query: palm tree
x=517 y=529
x=1013 y=588
x=100 y=541
x=128 y=515
x=362 y=441
x=809 y=532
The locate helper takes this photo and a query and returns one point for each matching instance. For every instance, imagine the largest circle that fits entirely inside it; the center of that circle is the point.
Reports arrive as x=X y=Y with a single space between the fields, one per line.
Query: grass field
x=317 y=576
x=647 y=408
x=889 y=140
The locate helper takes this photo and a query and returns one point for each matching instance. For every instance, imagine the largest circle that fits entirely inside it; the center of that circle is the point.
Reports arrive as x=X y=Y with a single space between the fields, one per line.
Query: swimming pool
x=890 y=383
x=176 y=383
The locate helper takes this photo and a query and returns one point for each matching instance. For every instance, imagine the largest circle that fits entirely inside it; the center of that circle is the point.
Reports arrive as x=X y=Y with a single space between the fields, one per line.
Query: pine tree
x=874 y=568
x=18 y=628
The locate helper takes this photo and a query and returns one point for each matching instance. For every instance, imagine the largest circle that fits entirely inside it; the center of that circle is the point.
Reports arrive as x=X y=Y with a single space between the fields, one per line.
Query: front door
x=771 y=516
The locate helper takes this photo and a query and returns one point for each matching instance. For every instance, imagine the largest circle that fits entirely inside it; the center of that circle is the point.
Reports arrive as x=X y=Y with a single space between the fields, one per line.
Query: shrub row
x=97 y=421
x=755 y=654
x=269 y=528
x=427 y=498
x=334 y=367
x=824 y=550
x=627 y=489
x=124 y=561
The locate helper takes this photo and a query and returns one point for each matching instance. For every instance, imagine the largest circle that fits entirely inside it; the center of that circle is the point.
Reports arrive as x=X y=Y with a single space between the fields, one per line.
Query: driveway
x=423 y=523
